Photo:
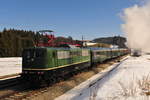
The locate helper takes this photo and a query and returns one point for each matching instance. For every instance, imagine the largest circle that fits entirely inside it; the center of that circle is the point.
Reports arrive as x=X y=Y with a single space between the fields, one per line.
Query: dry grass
x=93 y=92
x=129 y=90
x=144 y=85
x=134 y=88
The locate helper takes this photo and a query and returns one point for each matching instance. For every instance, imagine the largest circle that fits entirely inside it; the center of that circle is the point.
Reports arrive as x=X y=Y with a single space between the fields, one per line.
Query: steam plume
x=137 y=26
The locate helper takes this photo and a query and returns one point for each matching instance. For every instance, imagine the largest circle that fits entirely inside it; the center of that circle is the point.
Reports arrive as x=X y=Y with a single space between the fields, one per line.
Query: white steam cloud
x=137 y=26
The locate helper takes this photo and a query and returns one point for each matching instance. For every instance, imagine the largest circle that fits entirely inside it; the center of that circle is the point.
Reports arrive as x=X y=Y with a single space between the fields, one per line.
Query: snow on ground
x=122 y=83
x=10 y=66
x=126 y=82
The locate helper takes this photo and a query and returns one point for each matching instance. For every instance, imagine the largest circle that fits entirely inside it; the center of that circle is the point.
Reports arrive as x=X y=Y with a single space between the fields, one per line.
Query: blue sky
x=90 y=18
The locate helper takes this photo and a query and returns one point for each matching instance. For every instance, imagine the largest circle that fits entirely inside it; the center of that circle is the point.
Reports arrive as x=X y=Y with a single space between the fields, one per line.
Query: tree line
x=12 y=41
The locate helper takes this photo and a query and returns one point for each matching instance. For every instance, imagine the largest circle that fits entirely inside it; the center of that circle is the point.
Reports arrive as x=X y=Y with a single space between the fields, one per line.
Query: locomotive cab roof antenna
x=46 y=31
x=50 y=38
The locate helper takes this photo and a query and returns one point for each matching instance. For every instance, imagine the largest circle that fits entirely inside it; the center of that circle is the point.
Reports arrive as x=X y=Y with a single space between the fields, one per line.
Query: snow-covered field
x=10 y=66
x=129 y=81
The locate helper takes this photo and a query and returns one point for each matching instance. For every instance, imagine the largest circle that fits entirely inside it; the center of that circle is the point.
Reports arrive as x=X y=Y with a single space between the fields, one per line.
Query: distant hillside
x=116 y=40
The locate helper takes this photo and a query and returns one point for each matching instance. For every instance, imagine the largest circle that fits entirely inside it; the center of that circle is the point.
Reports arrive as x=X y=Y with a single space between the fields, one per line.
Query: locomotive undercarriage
x=47 y=77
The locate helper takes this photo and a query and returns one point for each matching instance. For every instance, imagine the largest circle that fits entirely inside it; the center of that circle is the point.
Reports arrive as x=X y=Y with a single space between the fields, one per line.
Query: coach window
x=54 y=54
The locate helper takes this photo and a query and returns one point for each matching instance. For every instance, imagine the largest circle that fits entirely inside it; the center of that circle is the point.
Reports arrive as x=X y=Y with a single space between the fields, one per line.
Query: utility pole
x=83 y=41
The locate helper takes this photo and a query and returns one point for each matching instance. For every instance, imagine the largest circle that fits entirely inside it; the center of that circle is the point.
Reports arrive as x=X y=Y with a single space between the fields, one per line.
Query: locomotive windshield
x=33 y=57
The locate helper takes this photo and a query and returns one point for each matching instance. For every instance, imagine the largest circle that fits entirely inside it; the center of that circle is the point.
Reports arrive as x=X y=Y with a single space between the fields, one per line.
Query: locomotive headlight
x=32 y=59
x=25 y=72
x=31 y=72
x=40 y=72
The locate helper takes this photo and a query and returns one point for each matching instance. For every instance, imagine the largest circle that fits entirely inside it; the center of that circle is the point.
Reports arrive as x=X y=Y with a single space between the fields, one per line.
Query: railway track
x=8 y=82
x=13 y=89
x=24 y=94
x=17 y=90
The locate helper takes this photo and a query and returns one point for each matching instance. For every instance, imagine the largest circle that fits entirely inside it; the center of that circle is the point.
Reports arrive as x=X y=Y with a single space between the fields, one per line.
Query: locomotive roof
x=56 y=48
x=95 y=49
